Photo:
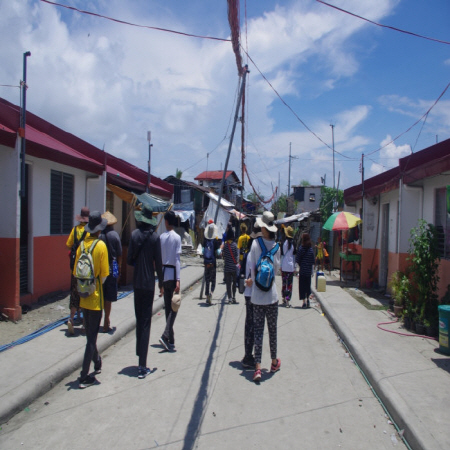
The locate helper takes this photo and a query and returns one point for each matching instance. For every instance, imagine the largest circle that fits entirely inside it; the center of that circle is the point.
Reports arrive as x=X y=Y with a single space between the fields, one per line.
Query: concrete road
x=199 y=396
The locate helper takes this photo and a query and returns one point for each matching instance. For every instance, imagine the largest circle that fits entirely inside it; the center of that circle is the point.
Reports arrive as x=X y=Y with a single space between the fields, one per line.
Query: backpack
x=84 y=271
x=208 y=252
x=73 y=250
x=265 y=272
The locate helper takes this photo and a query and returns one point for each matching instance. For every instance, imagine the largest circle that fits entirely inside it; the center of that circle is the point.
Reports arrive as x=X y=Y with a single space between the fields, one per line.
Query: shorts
x=110 y=289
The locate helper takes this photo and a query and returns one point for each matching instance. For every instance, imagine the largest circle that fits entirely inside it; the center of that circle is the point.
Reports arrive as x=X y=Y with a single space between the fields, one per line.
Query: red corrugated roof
x=47 y=141
x=215 y=175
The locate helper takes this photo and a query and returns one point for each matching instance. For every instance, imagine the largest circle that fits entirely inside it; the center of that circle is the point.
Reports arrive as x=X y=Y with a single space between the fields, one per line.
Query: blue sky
x=109 y=83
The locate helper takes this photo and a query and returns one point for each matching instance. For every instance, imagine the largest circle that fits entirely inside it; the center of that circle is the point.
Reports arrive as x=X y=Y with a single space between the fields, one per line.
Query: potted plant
x=399 y=286
x=424 y=260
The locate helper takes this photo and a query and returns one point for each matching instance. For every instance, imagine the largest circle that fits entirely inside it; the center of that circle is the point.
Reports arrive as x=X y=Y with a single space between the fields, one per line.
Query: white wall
x=430 y=186
x=9 y=192
x=410 y=213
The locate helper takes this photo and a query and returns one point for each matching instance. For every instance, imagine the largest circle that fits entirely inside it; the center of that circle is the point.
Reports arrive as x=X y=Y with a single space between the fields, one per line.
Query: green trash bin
x=444 y=319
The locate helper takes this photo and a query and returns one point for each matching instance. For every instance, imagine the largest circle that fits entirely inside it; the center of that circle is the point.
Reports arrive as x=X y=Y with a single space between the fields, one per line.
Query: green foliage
x=280 y=205
x=424 y=260
x=327 y=199
x=178 y=174
x=400 y=287
x=305 y=183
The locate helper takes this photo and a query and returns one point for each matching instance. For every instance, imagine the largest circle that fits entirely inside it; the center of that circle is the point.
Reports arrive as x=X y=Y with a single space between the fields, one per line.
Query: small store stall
x=342 y=222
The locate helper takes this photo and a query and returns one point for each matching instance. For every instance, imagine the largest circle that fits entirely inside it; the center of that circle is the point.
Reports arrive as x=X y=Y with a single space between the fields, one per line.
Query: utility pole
x=150 y=145
x=334 y=175
x=362 y=185
x=23 y=125
x=290 y=159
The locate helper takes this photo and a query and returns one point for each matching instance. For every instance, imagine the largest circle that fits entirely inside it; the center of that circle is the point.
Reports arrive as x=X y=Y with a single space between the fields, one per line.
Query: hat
x=176 y=302
x=256 y=233
x=83 y=216
x=210 y=221
x=111 y=218
x=145 y=215
x=96 y=223
x=289 y=232
x=211 y=231
x=266 y=221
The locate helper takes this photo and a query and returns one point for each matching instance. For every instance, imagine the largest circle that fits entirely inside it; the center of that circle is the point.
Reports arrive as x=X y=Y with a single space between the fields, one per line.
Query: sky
x=315 y=73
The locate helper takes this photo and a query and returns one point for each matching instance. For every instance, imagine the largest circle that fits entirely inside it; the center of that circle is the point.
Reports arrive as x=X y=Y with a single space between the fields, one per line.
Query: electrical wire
x=134 y=24
x=381 y=25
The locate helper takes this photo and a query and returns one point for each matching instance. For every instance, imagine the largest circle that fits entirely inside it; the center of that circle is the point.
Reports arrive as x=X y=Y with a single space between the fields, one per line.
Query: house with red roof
x=392 y=203
x=60 y=174
x=212 y=179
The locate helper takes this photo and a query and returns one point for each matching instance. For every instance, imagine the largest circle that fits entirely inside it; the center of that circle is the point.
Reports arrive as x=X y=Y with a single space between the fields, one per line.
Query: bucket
x=318 y=274
x=321 y=283
x=444 y=318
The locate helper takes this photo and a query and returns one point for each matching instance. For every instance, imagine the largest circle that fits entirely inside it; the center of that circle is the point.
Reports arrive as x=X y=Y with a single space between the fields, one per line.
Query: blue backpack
x=208 y=252
x=265 y=272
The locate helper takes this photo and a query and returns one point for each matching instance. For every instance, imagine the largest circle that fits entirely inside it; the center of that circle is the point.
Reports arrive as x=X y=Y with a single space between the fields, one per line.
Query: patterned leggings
x=287 y=285
x=260 y=312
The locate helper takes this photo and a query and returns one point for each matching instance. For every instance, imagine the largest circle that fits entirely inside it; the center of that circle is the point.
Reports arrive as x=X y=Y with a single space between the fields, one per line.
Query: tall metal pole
x=236 y=115
x=150 y=145
x=334 y=176
x=289 y=179
x=23 y=125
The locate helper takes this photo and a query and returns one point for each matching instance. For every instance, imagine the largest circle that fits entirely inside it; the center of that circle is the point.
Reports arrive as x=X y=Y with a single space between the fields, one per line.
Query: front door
x=384 y=245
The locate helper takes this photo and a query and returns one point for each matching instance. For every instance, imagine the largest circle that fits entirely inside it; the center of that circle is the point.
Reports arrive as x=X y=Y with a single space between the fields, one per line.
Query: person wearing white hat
x=211 y=244
x=265 y=302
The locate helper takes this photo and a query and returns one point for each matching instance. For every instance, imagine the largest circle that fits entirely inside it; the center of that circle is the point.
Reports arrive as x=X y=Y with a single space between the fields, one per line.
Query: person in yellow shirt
x=77 y=235
x=243 y=242
x=93 y=304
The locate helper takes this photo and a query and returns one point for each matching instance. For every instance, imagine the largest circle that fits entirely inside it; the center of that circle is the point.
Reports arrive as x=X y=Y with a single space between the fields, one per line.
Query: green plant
x=424 y=260
x=400 y=287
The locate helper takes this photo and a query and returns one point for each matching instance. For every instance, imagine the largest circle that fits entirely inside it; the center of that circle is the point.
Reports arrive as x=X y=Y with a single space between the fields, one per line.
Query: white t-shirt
x=260 y=297
x=170 y=254
x=288 y=262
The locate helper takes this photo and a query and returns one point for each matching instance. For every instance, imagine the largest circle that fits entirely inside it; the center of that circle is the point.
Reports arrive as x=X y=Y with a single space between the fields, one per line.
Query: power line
x=134 y=24
x=383 y=26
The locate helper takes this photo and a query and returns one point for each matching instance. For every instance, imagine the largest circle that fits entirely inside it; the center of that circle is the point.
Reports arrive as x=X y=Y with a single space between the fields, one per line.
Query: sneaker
x=257 y=375
x=98 y=367
x=234 y=301
x=248 y=362
x=171 y=347
x=88 y=381
x=70 y=328
x=143 y=372
x=276 y=367
x=287 y=304
x=230 y=301
x=164 y=342
x=208 y=299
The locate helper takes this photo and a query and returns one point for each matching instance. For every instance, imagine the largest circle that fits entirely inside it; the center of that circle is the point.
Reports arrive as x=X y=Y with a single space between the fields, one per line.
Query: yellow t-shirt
x=80 y=230
x=101 y=270
x=243 y=245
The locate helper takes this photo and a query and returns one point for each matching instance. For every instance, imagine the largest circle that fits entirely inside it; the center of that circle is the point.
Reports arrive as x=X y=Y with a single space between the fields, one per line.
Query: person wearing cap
x=112 y=240
x=77 y=235
x=170 y=255
x=211 y=244
x=265 y=303
x=287 y=265
x=93 y=304
x=144 y=253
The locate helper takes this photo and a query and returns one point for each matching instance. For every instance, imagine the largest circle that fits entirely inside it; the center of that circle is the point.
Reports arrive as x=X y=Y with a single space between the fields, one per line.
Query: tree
x=327 y=200
x=305 y=183
x=280 y=205
x=178 y=174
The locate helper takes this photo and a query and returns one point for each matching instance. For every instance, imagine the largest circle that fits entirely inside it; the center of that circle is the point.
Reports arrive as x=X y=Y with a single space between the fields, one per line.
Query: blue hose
x=46 y=328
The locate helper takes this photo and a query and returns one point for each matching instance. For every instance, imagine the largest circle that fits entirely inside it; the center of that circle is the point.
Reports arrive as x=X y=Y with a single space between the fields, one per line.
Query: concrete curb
x=400 y=412
x=48 y=378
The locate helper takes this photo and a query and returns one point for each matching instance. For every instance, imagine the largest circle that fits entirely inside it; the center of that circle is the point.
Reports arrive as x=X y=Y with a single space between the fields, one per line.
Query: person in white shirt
x=265 y=303
x=170 y=255
x=288 y=266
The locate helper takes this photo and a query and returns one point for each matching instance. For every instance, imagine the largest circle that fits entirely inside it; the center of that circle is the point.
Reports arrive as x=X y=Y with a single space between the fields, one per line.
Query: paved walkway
x=411 y=378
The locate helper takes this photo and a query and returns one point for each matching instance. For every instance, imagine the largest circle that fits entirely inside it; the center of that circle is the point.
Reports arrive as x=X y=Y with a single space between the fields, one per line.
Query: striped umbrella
x=342 y=221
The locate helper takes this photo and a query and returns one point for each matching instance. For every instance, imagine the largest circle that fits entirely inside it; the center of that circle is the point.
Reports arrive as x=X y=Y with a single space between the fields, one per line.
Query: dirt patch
x=370 y=299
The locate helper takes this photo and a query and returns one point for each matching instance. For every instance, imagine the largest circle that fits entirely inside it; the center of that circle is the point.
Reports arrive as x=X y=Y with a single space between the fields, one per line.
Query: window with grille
x=442 y=223
x=61 y=202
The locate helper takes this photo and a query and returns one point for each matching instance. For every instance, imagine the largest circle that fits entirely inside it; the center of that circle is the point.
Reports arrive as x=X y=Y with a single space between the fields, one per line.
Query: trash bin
x=444 y=319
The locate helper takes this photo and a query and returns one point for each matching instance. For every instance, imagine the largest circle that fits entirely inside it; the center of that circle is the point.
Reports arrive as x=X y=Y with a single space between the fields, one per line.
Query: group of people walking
x=96 y=256
x=255 y=260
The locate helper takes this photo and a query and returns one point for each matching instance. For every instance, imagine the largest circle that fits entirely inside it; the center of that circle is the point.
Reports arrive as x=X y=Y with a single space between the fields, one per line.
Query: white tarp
x=223 y=217
x=223 y=202
x=294 y=218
